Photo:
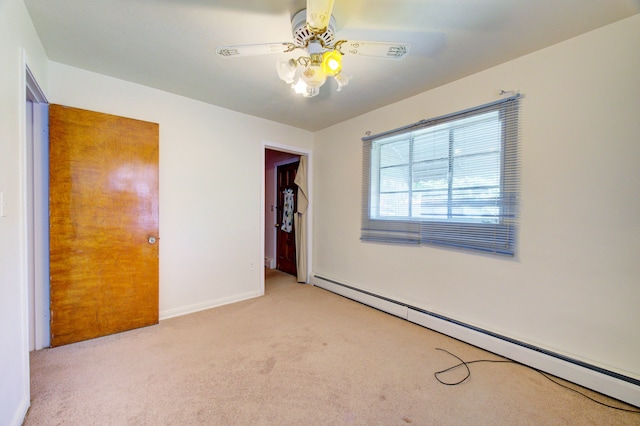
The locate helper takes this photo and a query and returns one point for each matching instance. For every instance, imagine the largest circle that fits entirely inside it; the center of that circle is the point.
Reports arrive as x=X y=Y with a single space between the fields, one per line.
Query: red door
x=286 y=237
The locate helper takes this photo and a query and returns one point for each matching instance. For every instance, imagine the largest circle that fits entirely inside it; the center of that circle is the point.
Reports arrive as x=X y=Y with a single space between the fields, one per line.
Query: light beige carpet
x=297 y=356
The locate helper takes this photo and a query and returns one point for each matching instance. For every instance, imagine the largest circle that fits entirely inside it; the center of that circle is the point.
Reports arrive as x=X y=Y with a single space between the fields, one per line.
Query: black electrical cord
x=466 y=364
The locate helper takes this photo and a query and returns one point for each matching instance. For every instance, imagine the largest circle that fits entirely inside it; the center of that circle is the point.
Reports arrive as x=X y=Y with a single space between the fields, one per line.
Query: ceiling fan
x=314 y=33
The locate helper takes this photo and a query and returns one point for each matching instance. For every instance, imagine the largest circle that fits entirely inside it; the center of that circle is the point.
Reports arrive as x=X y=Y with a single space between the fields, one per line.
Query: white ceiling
x=170 y=45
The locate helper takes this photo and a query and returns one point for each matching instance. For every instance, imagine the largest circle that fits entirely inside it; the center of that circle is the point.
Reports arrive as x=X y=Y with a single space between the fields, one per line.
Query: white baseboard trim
x=377 y=302
x=21 y=413
x=606 y=382
x=184 y=310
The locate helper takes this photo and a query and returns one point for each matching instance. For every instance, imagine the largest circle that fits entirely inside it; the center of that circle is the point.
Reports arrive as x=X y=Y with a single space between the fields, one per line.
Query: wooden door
x=103 y=205
x=286 y=238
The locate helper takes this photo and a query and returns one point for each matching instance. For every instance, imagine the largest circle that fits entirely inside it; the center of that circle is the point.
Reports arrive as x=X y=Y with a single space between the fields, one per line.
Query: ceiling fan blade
x=319 y=14
x=253 y=49
x=377 y=49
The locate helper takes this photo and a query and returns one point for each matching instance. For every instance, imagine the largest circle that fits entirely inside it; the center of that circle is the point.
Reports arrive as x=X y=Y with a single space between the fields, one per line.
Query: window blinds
x=451 y=180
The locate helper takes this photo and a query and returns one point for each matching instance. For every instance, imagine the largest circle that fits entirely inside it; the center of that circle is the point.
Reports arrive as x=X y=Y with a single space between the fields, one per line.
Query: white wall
x=577 y=295
x=18 y=43
x=211 y=164
x=574 y=287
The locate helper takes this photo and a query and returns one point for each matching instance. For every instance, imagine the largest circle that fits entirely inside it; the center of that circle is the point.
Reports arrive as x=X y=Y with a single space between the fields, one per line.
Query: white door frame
x=36 y=208
x=298 y=151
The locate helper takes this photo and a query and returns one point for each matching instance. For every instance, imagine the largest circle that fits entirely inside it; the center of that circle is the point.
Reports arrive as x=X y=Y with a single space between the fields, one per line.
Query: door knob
x=277 y=225
x=152 y=239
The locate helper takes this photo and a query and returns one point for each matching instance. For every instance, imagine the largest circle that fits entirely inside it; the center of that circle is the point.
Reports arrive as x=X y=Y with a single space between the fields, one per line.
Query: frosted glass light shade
x=286 y=70
x=300 y=86
x=311 y=92
x=342 y=80
x=313 y=76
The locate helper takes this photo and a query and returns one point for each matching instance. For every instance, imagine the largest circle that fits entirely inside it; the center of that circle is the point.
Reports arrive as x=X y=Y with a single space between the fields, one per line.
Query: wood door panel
x=103 y=208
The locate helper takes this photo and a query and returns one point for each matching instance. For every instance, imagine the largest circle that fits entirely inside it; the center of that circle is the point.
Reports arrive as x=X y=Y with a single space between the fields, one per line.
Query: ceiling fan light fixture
x=313 y=31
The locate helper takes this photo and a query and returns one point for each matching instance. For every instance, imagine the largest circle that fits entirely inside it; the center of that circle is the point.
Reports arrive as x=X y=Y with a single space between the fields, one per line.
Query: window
x=452 y=181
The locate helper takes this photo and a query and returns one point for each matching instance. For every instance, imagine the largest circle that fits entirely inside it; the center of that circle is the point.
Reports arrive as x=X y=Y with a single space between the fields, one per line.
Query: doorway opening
x=280 y=157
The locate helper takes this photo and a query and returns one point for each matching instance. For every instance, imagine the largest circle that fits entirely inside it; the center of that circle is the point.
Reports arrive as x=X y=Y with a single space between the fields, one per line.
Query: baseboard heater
x=607 y=382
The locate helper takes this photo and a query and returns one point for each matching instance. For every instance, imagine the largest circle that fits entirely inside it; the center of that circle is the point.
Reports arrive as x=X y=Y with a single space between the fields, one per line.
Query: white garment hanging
x=287 y=213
